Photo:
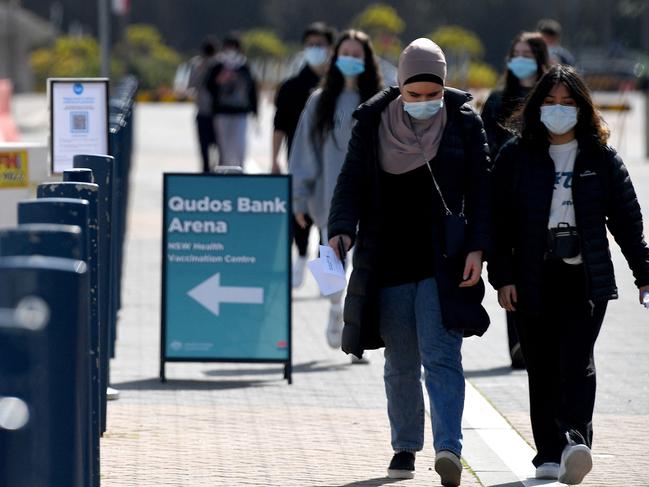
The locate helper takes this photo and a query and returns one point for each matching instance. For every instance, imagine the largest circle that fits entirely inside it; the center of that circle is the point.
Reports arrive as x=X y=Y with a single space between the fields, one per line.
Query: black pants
x=558 y=348
x=206 y=137
x=301 y=235
x=512 y=336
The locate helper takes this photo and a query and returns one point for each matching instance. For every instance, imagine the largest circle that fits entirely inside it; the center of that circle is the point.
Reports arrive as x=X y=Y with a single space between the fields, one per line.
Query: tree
x=69 y=57
x=147 y=57
x=263 y=44
x=457 y=41
x=464 y=51
x=380 y=18
x=383 y=24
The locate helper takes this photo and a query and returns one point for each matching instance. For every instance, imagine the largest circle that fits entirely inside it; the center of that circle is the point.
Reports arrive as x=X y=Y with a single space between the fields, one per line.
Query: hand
x=347 y=243
x=507 y=297
x=275 y=169
x=472 y=269
x=643 y=289
x=300 y=218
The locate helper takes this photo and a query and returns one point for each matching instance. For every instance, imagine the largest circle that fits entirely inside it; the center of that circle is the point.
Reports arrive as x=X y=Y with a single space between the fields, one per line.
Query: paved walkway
x=231 y=425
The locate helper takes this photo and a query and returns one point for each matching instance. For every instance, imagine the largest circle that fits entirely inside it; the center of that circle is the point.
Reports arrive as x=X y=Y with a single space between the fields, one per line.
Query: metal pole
x=104 y=36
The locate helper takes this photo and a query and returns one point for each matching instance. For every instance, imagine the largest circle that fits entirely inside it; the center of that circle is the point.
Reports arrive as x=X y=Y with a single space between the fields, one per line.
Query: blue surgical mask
x=559 y=119
x=423 y=110
x=522 y=67
x=316 y=55
x=350 y=66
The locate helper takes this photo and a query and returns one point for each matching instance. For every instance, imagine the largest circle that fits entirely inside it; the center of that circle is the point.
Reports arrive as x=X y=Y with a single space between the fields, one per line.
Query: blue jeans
x=412 y=329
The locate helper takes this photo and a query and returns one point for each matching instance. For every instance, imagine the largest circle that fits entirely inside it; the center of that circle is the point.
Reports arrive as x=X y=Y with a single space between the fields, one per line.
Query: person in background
x=411 y=145
x=199 y=67
x=289 y=103
x=558 y=188
x=234 y=94
x=550 y=29
x=321 y=139
x=526 y=62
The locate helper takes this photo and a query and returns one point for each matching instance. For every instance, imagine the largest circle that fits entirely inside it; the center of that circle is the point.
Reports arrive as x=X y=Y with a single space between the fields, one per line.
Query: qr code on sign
x=79 y=122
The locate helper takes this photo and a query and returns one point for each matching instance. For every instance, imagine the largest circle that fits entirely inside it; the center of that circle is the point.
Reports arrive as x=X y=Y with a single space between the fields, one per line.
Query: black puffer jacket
x=461 y=167
x=603 y=196
x=495 y=112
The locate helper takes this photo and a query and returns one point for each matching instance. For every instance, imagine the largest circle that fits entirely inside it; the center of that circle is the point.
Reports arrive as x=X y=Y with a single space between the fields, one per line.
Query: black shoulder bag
x=454 y=226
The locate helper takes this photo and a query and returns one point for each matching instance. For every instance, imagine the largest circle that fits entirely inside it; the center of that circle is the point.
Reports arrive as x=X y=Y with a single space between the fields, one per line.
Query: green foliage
x=69 y=57
x=464 y=51
x=482 y=75
x=379 y=18
x=383 y=24
x=263 y=44
x=457 y=41
x=146 y=56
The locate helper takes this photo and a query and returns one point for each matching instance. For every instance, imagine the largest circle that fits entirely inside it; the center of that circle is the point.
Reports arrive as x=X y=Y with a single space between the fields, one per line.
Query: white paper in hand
x=328 y=271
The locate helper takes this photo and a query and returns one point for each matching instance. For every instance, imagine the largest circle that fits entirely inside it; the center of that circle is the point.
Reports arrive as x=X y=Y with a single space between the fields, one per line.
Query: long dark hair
x=369 y=83
x=590 y=126
x=512 y=85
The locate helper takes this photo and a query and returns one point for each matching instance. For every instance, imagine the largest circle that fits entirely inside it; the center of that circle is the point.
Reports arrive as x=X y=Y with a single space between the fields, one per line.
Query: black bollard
x=44 y=361
x=103 y=170
x=47 y=239
x=70 y=211
x=80 y=175
x=89 y=192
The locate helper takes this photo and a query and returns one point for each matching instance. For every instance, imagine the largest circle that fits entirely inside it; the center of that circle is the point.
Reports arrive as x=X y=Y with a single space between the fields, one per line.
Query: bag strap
x=439 y=191
x=447 y=210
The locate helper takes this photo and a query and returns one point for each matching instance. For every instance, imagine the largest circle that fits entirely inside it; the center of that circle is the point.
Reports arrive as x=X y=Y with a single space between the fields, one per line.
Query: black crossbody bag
x=461 y=307
x=454 y=226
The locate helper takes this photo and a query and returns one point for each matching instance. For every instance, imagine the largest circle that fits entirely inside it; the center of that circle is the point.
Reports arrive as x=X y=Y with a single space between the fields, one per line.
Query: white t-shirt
x=563 y=209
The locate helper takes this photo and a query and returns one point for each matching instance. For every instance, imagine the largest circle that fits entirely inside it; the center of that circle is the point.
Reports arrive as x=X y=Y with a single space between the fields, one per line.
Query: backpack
x=233 y=88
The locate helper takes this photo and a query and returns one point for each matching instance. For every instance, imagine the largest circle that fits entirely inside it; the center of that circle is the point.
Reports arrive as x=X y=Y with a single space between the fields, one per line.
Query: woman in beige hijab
x=417 y=166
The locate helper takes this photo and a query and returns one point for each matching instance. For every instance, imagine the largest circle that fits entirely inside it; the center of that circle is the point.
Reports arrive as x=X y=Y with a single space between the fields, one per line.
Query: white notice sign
x=78 y=119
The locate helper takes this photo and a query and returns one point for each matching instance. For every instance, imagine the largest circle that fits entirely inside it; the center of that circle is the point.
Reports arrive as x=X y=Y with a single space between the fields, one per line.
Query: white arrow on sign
x=211 y=294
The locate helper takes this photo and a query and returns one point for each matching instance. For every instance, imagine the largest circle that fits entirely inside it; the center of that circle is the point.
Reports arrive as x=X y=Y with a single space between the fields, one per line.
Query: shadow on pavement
x=509 y=484
x=190 y=385
x=314 y=297
x=306 y=367
x=504 y=370
x=529 y=482
x=370 y=482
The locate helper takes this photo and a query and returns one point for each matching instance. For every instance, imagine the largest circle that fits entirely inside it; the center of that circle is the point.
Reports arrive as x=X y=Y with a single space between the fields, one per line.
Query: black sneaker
x=402 y=466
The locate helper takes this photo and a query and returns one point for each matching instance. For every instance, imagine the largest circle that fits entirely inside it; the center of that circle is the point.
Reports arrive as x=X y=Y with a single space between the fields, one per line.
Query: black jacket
x=461 y=167
x=603 y=197
x=495 y=113
x=290 y=100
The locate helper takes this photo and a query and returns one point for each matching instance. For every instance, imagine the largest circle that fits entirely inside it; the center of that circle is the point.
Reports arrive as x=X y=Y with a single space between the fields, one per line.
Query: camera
x=563 y=242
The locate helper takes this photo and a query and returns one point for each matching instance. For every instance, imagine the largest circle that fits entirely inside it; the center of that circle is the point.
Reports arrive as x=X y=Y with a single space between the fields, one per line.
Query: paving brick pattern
x=234 y=424
x=217 y=424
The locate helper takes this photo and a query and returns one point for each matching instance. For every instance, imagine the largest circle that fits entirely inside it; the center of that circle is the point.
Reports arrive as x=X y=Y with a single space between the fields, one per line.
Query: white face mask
x=423 y=110
x=559 y=119
x=316 y=55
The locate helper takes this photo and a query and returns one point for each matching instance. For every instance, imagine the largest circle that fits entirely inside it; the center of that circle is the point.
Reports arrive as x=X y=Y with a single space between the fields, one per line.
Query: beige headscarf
x=404 y=142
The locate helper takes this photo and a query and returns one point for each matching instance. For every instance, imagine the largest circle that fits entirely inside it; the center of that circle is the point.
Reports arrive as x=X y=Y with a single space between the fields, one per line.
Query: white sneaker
x=576 y=462
x=547 y=471
x=299 y=265
x=335 y=325
x=449 y=468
